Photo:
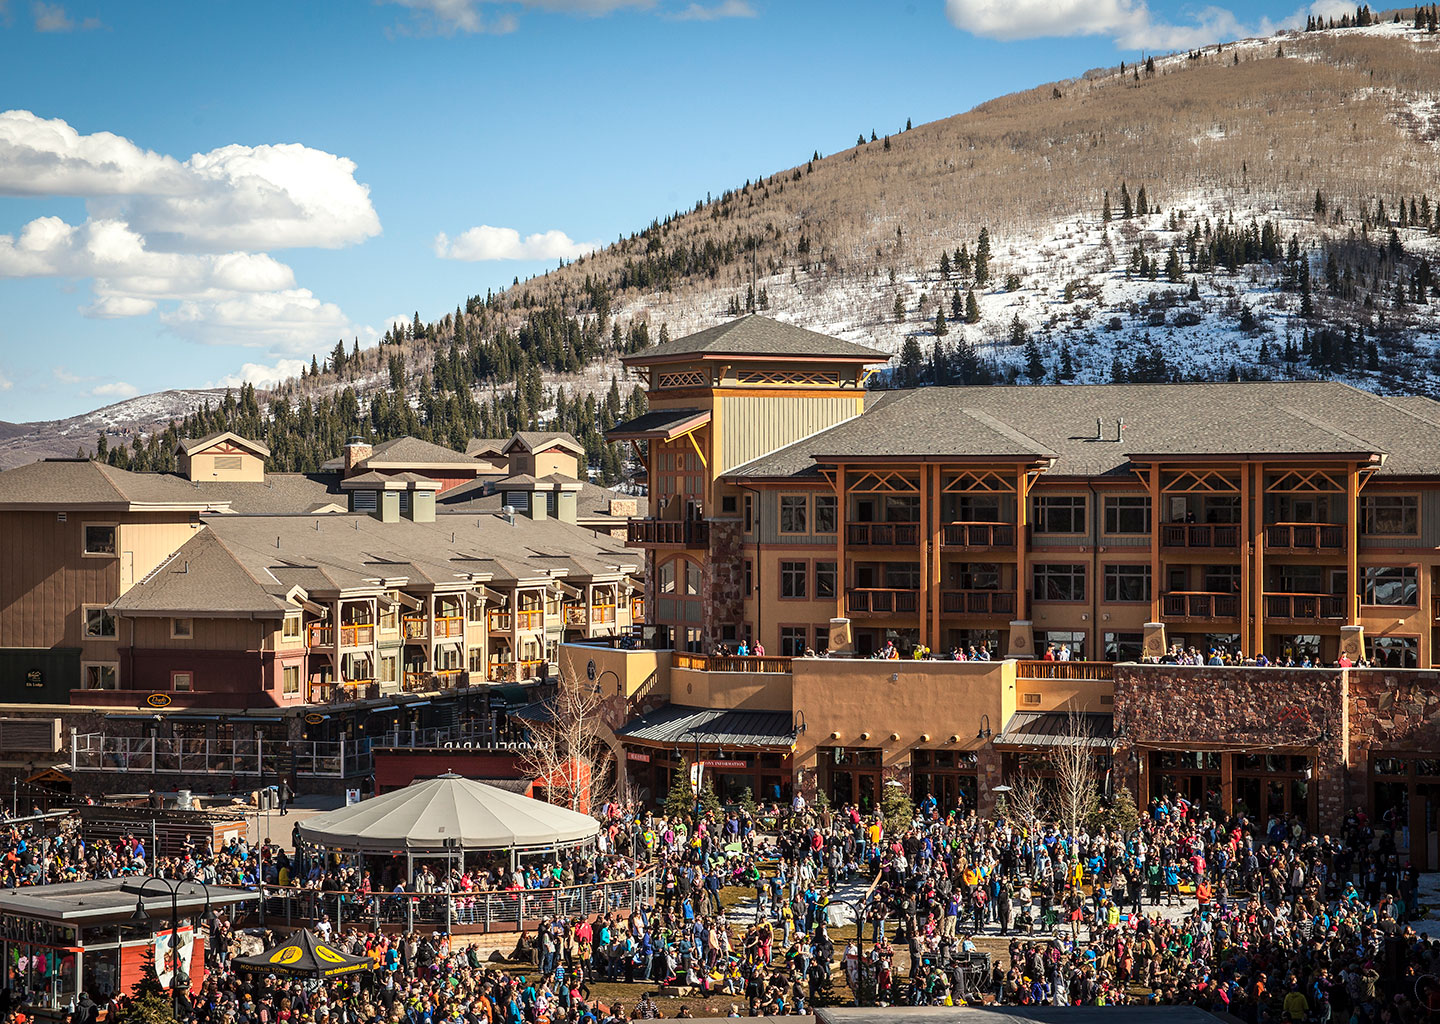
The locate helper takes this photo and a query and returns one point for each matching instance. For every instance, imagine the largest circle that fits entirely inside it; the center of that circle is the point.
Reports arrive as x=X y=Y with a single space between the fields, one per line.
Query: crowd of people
x=1259 y=918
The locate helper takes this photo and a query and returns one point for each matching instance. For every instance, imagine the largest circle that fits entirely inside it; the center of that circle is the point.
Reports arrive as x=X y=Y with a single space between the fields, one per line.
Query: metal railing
x=1179 y=604
x=866 y=600
x=295 y=906
x=729 y=663
x=1305 y=536
x=1086 y=671
x=1199 y=535
x=100 y=752
x=683 y=532
x=476 y=734
x=882 y=534
x=977 y=535
x=977 y=602
x=1306 y=607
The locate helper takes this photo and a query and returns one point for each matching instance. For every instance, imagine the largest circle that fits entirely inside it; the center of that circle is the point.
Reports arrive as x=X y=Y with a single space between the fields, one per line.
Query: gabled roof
x=203 y=578
x=411 y=451
x=544 y=440
x=80 y=483
x=190 y=445
x=659 y=424
x=756 y=335
x=389 y=482
x=478 y=446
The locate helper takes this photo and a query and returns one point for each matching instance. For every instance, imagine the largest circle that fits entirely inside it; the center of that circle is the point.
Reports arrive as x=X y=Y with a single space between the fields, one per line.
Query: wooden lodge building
x=1298 y=519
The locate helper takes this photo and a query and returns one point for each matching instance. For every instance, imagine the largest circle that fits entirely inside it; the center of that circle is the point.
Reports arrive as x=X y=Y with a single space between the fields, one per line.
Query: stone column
x=723 y=587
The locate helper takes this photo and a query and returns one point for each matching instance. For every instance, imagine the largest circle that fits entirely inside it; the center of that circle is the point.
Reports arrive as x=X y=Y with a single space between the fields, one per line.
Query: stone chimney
x=357 y=450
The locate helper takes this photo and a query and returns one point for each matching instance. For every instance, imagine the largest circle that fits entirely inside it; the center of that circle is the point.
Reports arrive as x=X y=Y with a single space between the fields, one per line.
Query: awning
x=661 y=424
x=1029 y=729
x=671 y=725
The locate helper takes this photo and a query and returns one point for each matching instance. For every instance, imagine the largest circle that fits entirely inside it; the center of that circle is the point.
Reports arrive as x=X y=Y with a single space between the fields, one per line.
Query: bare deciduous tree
x=567 y=750
x=1077 y=785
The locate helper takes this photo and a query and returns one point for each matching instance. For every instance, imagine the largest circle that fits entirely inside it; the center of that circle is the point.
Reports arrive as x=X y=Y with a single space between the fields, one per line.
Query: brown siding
x=210 y=634
x=44 y=578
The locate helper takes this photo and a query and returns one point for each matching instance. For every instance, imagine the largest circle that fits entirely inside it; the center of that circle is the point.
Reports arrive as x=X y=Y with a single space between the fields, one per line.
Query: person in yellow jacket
x=1296 y=1005
x=1077 y=873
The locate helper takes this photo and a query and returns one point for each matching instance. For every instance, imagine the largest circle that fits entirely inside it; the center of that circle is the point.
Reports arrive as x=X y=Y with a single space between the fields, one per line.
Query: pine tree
x=1067 y=364
x=944 y=265
x=1174 y=272
x=1142 y=205
x=911 y=362
x=972 y=308
x=1105 y=210
x=1307 y=304
x=982 y=257
x=940 y=329
x=1034 y=365
x=899 y=309
x=1127 y=209
x=1018 y=334
x=957 y=306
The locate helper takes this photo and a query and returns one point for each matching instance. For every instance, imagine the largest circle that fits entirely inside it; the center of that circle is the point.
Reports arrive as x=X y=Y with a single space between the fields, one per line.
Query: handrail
x=1304 y=606
x=1199 y=535
x=1200 y=604
x=977 y=602
x=637 y=610
x=685 y=532
x=1087 y=671
x=1309 y=536
x=882 y=534
x=729 y=663
x=882 y=601
x=961 y=534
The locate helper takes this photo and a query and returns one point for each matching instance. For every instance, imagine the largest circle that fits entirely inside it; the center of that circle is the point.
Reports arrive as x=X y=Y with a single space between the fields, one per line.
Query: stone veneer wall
x=724 y=580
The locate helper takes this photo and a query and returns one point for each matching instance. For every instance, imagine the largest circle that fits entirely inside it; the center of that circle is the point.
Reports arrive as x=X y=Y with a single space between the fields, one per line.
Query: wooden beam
x=1257 y=581
x=1246 y=606
x=1352 y=544
x=1154 y=544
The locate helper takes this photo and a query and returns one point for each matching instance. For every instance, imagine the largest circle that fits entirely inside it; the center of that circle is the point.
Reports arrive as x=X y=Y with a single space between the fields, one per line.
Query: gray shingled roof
x=757 y=335
x=663 y=423
x=540 y=440
x=682 y=726
x=488 y=495
x=203 y=578
x=1052 y=729
x=190 y=445
x=413 y=451
x=73 y=483
x=279 y=494
x=478 y=446
x=1259 y=418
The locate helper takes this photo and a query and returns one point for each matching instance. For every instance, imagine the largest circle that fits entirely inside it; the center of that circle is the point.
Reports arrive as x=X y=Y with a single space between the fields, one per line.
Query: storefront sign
x=642 y=758
x=172 y=953
x=314 y=719
x=158 y=700
x=34 y=677
x=725 y=764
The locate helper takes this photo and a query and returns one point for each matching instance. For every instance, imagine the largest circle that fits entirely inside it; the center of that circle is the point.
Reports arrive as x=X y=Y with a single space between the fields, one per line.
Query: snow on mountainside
x=26 y=442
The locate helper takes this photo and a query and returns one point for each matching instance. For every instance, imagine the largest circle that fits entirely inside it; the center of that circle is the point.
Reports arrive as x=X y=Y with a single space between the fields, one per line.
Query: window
x=1059 y=582
x=290 y=680
x=1074 y=640
x=100 y=676
x=749 y=577
x=228 y=463
x=902 y=575
x=825 y=577
x=1124 y=646
x=794 y=510
x=727 y=504
x=99 y=539
x=793 y=640
x=825 y=513
x=902 y=508
x=1385 y=515
x=1127 y=583
x=182 y=681
x=389 y=668
x=364 y=501
x=692 y=579
x=1391 y=584
x=389 y=615
x=792 y=579
x=1127 y=514
x=667 y=578
x=405 y=503
x=1222 y=579
x=290 y=630
x=1059 y=514
x=1395 y=651
x=99 y=623
x=182 y=629
x=748 y=512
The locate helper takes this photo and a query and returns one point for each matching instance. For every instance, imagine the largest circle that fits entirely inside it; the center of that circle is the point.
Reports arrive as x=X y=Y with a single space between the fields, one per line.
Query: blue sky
x=204 y=191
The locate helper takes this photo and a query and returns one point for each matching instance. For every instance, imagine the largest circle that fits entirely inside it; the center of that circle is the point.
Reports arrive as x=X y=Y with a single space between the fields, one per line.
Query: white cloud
x=115 y=389
x=6 y=383
x=290 y=322
x=115 y=307
x=724 y=9
x=1128 y=22
x=50 y=17
x=488 y=243
x=253 y=197
x=262 y=376
x=64 y=376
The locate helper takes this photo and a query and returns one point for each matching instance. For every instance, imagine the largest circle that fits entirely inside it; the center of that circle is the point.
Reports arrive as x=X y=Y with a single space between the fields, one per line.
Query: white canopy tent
x=449 y=816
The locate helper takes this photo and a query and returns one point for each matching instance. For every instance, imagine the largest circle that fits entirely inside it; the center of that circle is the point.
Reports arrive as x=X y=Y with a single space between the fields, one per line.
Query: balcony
x=576 y=616
x=329 y=691
x=729 y=663
x=415 y=627
x=637 y=611
x=356 y=635
x=1198 y=606
x=515 y=671
x=1091 y=671
x=530 y=619
x=1305 y=538
x=977 y=602
x=602 y=614
x=257 y=757
x=882 y=535
x=867 y=601
x=977 y=536
x=683 y=533
x=1304 y=607
x=1206 y=537
x=440 y=679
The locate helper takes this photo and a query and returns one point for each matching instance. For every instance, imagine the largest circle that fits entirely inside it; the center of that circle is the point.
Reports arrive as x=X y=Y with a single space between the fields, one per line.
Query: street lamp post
x=179 y=977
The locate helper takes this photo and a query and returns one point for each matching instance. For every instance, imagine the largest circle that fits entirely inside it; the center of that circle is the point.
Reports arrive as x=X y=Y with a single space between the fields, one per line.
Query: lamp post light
x=179 y=978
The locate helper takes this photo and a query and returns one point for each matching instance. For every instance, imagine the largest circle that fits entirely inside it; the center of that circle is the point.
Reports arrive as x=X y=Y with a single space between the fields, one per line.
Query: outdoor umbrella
x=304 y=955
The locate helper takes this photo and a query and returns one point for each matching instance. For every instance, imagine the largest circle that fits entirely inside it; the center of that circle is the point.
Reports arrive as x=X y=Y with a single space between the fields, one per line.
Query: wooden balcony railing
x=514 y=671
x=977 y=602
x=439 y=679
x=500 y=620
x=977 y=536
x=531 y=619
x=1305 y=536
x=358 y=635
x=637 y=611
x=415 y=627
x=730 y=663
x=882 y=534
x=1199 y=605
x=576 y=616
x=1304 y=607
x=449 y=627
x=688 y=533
x=866 y=601
x=1199 y=535
x=1092 y=671
x=602 y=613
